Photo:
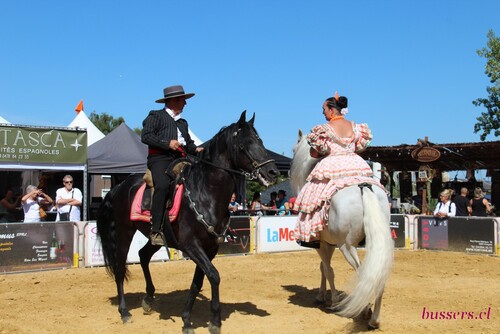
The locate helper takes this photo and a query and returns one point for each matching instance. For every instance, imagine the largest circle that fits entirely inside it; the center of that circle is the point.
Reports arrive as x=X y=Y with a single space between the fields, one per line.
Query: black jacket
x=159 y=128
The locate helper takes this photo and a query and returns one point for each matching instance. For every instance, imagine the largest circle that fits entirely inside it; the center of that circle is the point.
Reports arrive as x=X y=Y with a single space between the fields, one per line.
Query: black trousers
x=158 y=164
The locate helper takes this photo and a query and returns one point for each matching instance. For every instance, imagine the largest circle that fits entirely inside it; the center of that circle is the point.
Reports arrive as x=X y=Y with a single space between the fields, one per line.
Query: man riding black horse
x=167 y=137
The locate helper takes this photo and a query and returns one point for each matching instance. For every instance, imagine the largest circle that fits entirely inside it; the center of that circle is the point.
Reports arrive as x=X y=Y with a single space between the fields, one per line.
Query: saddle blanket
x=137 y=214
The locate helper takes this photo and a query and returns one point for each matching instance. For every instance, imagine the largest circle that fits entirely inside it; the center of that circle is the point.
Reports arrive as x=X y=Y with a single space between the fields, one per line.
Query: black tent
x=282 y=162
x=120 y=152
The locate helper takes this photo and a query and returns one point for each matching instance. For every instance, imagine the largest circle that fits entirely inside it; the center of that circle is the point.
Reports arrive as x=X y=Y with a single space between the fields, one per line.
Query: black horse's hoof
x=213 y=329
x=187 y=330
x=147 y=305
x=127 y=319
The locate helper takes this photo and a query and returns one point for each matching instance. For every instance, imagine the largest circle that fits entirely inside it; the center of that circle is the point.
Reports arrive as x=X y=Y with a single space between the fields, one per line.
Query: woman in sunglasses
x=68 y=201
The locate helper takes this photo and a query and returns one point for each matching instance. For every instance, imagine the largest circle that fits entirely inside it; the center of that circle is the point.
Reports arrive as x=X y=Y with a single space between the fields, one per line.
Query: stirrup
x=157 y=239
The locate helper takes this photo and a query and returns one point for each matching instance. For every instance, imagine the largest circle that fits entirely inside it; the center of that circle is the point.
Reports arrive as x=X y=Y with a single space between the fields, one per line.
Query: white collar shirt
x=448 y=208
x=180 y=138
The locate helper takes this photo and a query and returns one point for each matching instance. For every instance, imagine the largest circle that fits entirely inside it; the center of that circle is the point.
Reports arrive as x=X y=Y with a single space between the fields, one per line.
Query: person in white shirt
x=68 y=200
x=445 y=208
x=31 y=203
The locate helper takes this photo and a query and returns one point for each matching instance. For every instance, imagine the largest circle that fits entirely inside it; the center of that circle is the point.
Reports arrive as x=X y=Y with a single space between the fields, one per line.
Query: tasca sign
x=425 y=154
x=42 y=145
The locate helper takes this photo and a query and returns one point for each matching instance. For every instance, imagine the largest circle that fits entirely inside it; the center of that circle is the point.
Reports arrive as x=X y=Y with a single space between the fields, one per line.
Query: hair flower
x=344 y=111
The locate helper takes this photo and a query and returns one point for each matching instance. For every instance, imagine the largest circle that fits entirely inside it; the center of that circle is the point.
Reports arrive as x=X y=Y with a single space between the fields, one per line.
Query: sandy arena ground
x=266 y=293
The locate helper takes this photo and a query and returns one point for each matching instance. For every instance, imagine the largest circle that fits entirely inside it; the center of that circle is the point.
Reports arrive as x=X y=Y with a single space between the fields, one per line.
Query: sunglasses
x=65 y=182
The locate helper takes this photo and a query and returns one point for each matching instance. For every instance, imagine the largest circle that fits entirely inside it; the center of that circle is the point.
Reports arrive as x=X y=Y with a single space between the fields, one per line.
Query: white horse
x=355 y=213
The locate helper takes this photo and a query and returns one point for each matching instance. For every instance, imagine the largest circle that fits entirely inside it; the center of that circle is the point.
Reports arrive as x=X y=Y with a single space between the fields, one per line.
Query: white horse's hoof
x=373 y=325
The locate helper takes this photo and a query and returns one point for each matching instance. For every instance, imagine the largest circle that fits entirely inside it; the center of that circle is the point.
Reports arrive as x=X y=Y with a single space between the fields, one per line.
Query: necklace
x=336 y=118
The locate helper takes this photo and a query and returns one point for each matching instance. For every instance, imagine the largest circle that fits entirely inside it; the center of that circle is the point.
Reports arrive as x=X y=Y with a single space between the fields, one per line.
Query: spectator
x=282 y=204
x=462 y=203
x=291 y=203
x=233 y=205
x=31 y=202
x=417 y=199
x=479 y=205
x=8 y=207
x=445 y=208
x=256 y=206
x=68 y=201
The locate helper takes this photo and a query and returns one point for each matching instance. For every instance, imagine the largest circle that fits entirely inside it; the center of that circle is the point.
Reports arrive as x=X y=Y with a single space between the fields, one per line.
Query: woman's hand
x=313 y=153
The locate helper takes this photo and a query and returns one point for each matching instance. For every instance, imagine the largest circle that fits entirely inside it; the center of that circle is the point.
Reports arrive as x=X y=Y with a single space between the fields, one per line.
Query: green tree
x=490 y=120
x=253 y=186
x=104 y=122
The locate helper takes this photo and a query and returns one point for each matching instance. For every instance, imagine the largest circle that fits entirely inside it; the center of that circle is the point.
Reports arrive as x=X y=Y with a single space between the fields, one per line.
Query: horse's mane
x=214 y=145
x=302 y=163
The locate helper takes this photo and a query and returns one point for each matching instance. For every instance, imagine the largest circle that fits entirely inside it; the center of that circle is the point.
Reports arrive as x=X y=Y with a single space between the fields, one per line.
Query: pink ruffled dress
x=340 y=167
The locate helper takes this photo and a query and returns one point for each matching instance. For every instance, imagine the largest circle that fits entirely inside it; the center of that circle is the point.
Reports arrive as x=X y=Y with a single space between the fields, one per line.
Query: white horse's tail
x=374 y=271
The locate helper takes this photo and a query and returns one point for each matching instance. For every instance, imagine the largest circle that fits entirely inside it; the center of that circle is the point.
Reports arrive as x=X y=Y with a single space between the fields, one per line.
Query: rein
x=192 y=205
x=249 y=175
x=252 y=175
x=201 y=219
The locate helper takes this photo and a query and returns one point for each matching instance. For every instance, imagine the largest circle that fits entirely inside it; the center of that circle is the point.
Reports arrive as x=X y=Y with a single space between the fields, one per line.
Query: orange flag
x=79 y=107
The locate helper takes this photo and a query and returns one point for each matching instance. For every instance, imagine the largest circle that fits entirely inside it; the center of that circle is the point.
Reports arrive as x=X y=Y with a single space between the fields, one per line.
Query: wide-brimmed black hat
x=174 y=91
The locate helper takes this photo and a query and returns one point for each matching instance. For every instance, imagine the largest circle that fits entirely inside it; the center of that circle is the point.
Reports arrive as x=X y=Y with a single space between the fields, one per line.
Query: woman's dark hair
x=331 y=102
x=256 y=196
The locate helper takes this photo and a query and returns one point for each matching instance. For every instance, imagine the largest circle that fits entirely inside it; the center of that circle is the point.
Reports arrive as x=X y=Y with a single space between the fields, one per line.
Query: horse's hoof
x=147 y=305
x=127 y=319
x=187 y=330
x=213 y=329
x=373 y=326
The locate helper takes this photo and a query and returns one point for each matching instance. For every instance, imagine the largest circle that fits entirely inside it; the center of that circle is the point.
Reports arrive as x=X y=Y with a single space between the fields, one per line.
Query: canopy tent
x=282 y=162
x=82 y=121
x=3 y=120
x=120 y=152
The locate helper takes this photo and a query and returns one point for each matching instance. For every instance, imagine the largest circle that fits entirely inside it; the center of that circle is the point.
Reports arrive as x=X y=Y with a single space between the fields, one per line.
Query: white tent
x=4 y=121
x=82 y=121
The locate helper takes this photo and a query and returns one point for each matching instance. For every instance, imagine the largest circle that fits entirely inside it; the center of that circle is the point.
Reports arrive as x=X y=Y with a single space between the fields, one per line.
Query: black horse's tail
x=106 y=229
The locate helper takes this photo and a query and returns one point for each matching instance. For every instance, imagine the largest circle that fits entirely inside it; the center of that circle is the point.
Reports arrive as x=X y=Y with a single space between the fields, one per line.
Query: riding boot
x=156 y=236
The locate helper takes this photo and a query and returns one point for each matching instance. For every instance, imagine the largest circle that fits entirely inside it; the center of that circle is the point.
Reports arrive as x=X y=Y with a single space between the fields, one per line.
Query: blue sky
x=409 y=68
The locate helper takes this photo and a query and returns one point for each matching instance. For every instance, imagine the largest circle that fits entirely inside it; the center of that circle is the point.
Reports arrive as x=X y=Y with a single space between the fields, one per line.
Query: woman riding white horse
x=339 y=205
x=335 y=143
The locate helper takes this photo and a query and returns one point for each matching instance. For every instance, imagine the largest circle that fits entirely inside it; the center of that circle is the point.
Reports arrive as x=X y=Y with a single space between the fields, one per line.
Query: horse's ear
x=243 y=117
x=299 y=136
x=252 y=120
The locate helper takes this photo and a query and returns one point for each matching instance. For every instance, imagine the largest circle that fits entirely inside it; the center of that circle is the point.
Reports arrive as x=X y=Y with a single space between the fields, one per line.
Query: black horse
x=203 y=217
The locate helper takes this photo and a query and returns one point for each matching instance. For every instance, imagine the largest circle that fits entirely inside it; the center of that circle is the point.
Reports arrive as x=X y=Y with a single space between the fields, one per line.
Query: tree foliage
x=490 y=120
x=104 y=122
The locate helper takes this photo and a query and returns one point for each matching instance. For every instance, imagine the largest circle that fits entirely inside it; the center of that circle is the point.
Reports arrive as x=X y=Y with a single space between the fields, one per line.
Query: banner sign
x=240 y=236
x=42 y=145
x=473 y=235
x=276 y=234
x=93 y=248
x=36 y=246
x=398 y=229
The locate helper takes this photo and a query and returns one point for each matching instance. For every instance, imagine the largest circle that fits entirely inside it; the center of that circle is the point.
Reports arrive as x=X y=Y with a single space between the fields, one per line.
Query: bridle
x=252 y=175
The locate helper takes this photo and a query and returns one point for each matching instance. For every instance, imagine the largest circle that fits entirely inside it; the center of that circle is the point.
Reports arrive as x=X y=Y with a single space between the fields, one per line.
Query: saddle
x=141 y=205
